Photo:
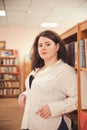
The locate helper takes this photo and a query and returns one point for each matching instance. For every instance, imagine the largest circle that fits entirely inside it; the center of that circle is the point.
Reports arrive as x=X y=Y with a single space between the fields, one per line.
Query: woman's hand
x=21 y=101
x=44 y=111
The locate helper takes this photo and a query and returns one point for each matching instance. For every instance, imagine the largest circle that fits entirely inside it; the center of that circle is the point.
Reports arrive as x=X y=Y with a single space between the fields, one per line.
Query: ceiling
x=31 y=13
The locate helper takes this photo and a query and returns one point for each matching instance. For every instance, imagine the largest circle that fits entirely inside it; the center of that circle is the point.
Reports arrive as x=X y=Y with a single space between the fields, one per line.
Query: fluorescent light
x=2 y=13
x=49 y=24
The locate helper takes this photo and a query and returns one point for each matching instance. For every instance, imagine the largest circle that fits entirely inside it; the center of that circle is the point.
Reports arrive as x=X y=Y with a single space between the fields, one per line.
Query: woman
x=53 y=90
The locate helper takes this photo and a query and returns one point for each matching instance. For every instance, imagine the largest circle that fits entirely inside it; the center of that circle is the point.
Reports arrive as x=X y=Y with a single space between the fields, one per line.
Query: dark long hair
x=36 y=60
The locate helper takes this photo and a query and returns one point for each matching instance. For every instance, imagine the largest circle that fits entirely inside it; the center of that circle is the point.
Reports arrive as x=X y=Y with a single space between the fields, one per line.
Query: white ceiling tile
x=17 y=2
x=66 y=12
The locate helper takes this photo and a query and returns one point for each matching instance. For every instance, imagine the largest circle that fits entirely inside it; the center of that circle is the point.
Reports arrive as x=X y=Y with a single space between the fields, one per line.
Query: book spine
x=82 y=54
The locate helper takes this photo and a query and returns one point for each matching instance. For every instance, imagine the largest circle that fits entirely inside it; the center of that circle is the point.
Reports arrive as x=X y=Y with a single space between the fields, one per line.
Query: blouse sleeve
x=69 y=103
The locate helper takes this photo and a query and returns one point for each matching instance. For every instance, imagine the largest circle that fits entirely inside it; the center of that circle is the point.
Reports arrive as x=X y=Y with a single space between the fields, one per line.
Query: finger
x=44 y=112
x=45 y=115
x=39 y=111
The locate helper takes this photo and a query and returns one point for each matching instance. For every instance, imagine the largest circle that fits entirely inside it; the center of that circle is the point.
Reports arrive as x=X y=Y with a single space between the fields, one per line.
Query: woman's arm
x=69 y=103
x=22 y=96
x=22 y=99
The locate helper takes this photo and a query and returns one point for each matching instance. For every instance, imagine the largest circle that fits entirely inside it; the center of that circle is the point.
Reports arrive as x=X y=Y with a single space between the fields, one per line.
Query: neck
x=50 y=62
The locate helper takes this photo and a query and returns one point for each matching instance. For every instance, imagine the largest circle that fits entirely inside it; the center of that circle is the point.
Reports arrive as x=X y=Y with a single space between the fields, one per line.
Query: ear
x=57 y=46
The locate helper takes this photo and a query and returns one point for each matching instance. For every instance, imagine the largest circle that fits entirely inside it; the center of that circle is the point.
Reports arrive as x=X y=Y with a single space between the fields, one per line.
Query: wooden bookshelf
x=77 y=33
x=9 y=73
x=72 y=31
x=27 y=67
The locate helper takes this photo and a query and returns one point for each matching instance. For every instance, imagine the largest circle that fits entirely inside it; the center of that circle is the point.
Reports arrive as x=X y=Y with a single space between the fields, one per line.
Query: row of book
x=72 y=51
x=9 y=92
x=9 y=69
x=9 y=61
x=9 y=77
x=8 y=84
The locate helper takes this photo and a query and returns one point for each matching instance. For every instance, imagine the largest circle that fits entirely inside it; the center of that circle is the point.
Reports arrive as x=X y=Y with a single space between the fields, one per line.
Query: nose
x=43 y=47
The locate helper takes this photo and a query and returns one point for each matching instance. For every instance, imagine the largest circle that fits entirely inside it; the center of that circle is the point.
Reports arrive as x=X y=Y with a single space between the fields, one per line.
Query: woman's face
x=47 y=49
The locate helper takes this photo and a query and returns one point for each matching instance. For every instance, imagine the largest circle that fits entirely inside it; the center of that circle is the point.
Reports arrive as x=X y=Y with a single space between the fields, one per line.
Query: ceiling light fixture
x=2 y=13
x=29 y=11
x=49 y=24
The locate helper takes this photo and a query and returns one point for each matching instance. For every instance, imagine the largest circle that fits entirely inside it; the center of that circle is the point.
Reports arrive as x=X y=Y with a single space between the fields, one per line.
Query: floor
x=10 y=114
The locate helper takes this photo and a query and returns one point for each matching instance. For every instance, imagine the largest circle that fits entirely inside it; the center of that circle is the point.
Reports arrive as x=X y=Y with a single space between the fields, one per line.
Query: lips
x=43 y=53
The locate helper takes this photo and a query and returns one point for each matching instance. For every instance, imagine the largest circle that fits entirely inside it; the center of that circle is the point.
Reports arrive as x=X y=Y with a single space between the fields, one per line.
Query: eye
x=48 y=44
x=40 y=45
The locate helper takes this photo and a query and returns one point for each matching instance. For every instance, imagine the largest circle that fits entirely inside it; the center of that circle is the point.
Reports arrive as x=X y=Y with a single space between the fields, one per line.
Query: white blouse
x=55 y=86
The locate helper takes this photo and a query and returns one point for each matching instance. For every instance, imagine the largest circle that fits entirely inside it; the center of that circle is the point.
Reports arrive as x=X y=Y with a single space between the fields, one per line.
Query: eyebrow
x=45 y=42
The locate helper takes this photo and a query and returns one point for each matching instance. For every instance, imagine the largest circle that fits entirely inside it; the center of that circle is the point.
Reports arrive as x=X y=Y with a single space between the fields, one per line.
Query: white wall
x=20 y=39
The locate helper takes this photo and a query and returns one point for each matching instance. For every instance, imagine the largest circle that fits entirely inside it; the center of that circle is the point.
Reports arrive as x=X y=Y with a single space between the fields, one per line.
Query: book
x=82 y=53
x=6 y=53
x=72 y=53
x=83 y=90
x=85 y=40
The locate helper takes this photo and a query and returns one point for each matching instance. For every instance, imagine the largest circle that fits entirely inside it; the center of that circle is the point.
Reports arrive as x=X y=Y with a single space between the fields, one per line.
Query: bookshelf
x=9 y=73
x=27 y=67
x=76 y=34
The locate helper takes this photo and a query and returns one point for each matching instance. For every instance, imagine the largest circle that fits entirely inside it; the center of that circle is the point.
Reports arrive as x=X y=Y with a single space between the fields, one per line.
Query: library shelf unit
x=77 y=33
x=9 y=73
x=27 y=67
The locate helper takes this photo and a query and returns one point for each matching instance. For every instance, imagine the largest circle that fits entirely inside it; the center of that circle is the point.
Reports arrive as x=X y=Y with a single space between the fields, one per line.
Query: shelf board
x=83 y=25
x=12 y=73
x=8 y=57
x=9 y=87
x=10 y=96
x=9 y=66
x=70 y=32
x=83 y=69
x=7 y=80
